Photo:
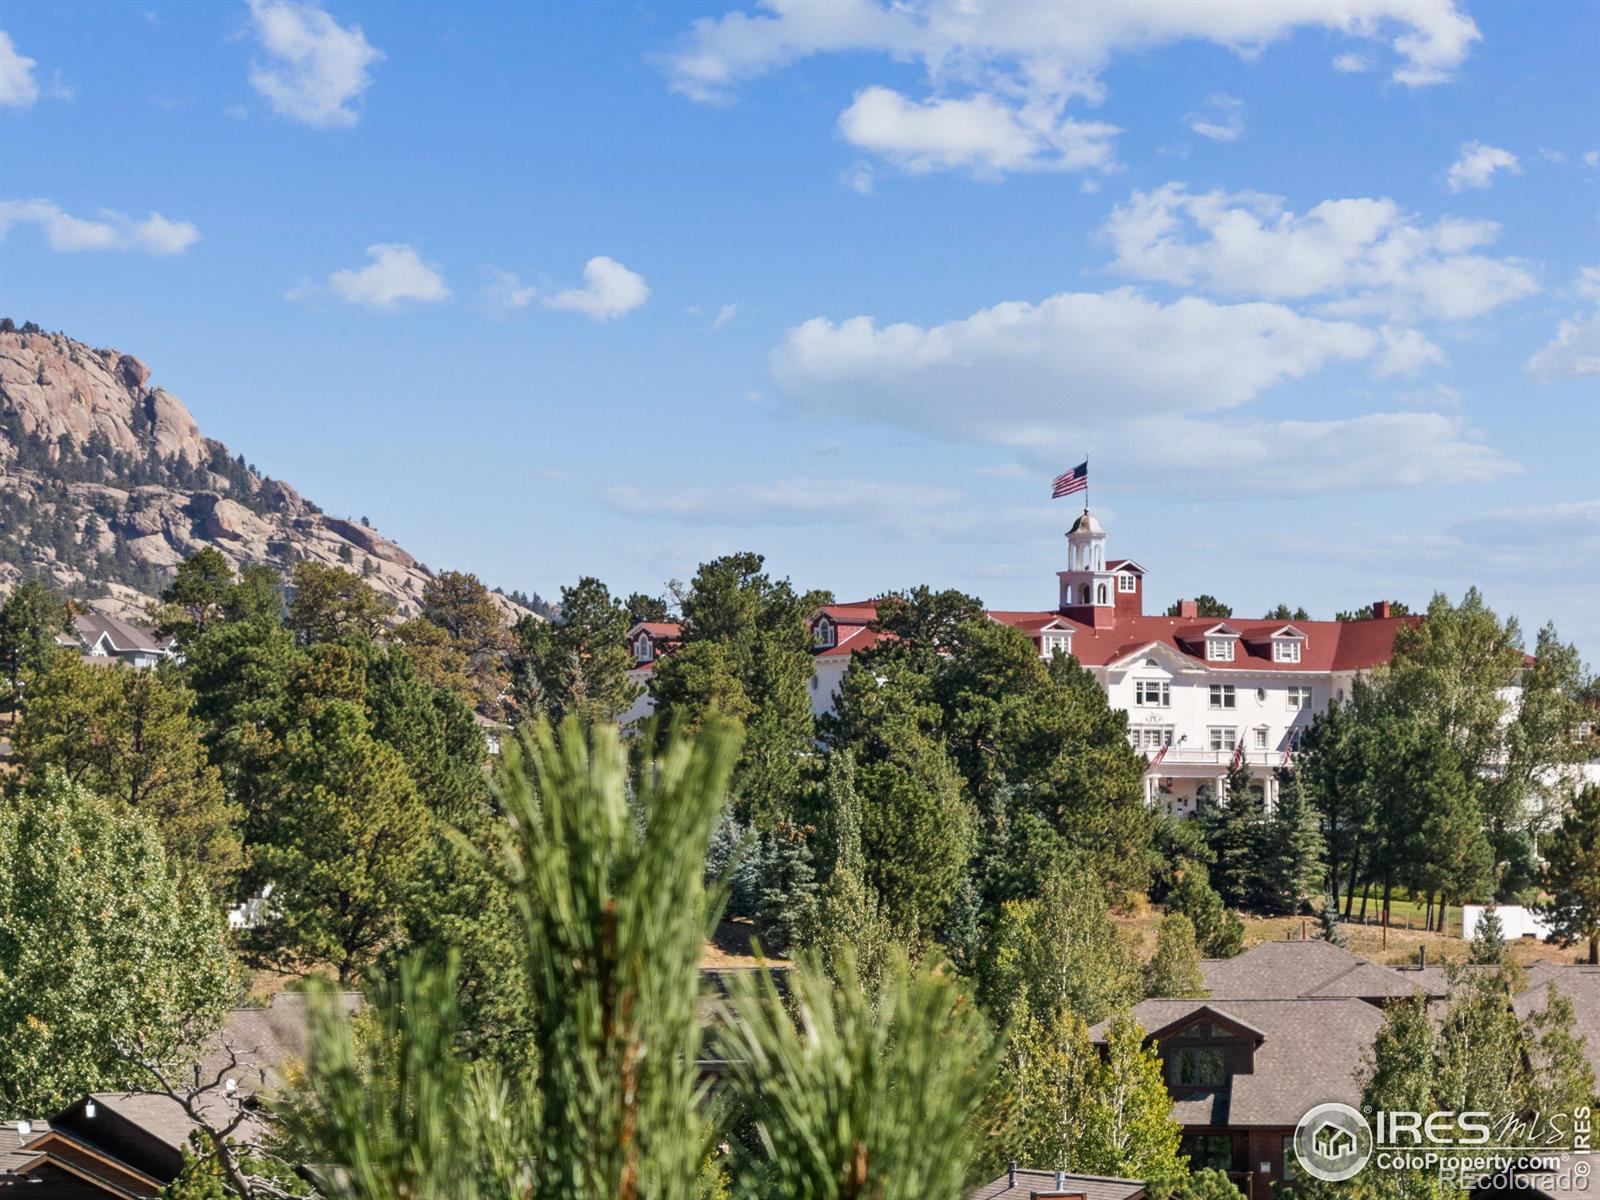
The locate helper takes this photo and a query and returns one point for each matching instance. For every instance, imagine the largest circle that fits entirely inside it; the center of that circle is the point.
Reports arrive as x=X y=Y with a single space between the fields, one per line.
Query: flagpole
x=1085 y=483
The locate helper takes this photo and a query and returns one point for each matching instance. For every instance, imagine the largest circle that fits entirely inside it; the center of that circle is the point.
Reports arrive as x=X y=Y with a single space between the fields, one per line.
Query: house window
x=641 y=648
x=1207 y=1151
x=1152 y=693
x=1219 y=649
x=1261 y=738
x=1223 y=739
x=1299 y=697
x=1083 y=594
x=1100 y=593
x=1154 y=739
x=1056 y=643
x=1286 y=650
x=1196 y=1066
x=823 y=633
x=1125 y=582
x=1222 y=695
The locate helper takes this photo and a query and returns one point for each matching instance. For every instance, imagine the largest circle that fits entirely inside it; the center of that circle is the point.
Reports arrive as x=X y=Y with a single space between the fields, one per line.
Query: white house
x=1193 y=688
x=101 y=638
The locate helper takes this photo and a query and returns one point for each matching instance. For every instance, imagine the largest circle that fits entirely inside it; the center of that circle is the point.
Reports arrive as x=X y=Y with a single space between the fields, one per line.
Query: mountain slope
x=106 y=484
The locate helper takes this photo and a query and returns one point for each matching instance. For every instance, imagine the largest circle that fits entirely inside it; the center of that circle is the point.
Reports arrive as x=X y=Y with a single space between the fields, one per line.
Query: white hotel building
x=1192 y=686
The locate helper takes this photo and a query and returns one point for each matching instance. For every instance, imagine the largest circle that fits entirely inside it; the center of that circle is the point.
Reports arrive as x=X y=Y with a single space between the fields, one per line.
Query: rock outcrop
x=106 y=484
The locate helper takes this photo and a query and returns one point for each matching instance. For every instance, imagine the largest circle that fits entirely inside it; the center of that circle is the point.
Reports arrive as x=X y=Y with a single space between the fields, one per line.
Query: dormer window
x=643 y=649
x=1219 y=649
x=1125 y=582
x=822 y=633
x=1286 y=650
x=1051 y=644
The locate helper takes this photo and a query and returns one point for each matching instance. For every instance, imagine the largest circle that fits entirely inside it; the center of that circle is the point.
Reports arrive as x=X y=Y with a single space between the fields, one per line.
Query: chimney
x=1188 y=608
x=1382 y=609
x=1011 y=1174
x=1061 y=1180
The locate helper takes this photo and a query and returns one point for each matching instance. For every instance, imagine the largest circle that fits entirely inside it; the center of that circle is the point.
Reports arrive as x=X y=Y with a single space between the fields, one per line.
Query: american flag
x=1238 y=755
x=1160 y=754
x=1075 y=480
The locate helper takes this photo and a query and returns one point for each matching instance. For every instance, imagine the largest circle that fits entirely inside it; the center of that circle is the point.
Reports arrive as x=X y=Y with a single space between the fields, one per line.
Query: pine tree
x=1174 y=968
x=1217 y=928
x=130 y=736
x=854 y=1093
x=787 y=889
x=1291 y=866
x=31 y=619
x=1488 y=939
x=1234 y=826
x=1572 y=874
x=1328 y=921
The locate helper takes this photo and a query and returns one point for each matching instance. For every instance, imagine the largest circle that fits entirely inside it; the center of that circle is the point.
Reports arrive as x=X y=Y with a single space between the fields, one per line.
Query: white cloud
x=18 y=87
x=316 y=69
x=1017 y=374
x=1001 y=74
x=155 y=234
x=1573 y=353
x=1587 y=284
x=981 y=134
x=1357 y=256
x=1477 y=165
x=609 y=290
x=1352 y=63
x=724 y=314
x=1375 y=450
x=1045 y=379
x=395 y=274
x=505 y=292
x=1010 y=470
x=1056 y=47
x=1221 y=118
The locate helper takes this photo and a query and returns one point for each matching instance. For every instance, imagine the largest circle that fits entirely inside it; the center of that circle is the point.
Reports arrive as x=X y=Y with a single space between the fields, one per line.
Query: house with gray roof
x=1242 y=1072
x=1022 y=1184
x=102 y=638
x=1289 y=970
x=130 y=1144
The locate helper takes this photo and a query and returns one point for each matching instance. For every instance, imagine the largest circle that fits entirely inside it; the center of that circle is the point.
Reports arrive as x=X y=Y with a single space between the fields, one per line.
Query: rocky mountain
x=107 y=483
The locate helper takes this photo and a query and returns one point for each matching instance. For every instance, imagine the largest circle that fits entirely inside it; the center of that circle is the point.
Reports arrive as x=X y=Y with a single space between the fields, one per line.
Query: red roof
x=1329 y=645
x=667 y=630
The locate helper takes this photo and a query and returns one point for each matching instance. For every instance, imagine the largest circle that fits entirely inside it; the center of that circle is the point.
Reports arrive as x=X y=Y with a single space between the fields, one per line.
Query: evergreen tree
x=346 y=833
x=1572 y=874
x=31 y=619
x=330 y=605
x=917 y=831
x=1291 y=869
x=1233 y=824
x=1217 y=928
x=746 y=654
x=459 y=604
x=1488 y=939
x=578 y=665
x=788 y=889
x=1328 y=921
x=129 y=735
x=1174 y=968
x=101 y=946
x=855 y=1093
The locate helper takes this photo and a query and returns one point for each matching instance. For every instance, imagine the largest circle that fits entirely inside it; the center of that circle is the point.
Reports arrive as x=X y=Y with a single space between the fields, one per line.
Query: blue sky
x=549 y=290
